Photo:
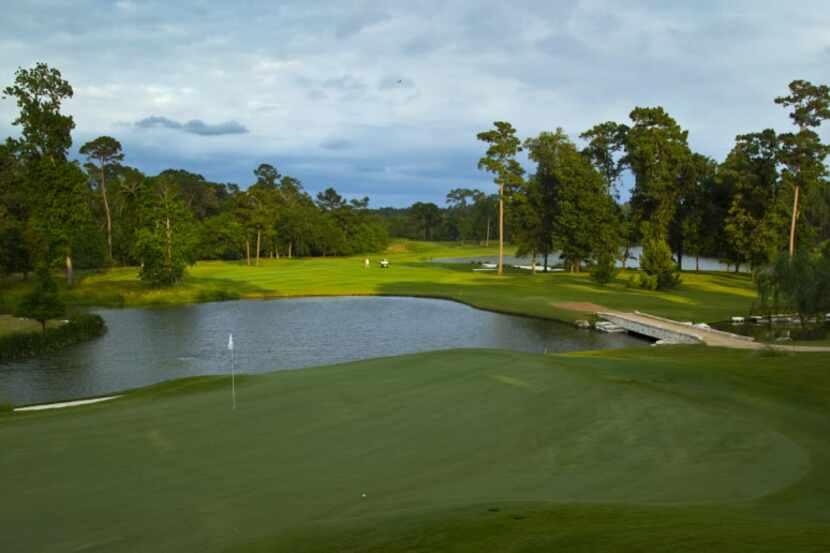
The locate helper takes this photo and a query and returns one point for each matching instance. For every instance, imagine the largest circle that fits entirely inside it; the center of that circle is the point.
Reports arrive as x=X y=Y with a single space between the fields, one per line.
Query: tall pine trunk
x=794 y=219
x=501 y=229
x=106 y=212
x=169 y=236
x=258 y=238
x=70 y=273
x=248 y=252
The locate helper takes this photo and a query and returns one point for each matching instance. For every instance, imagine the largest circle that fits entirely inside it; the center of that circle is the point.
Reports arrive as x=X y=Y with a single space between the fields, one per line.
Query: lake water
x=689 y=262
x=146 y=346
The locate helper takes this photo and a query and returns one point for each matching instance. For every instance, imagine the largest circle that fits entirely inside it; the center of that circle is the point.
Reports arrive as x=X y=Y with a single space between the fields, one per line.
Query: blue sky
x=385 y=98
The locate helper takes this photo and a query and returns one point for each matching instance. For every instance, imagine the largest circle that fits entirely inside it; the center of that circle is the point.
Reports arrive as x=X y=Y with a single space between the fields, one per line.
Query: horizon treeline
x=103 y=212
x=768 y=195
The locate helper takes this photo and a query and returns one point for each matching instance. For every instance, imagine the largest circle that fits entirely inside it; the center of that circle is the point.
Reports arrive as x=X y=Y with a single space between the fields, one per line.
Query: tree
x=656 y=262
x=686 y=231
x=58 y=212
x=800 y=283
x=166 y=244
x=606 y=141
x=585 y=224
x=460 y=203
x=542 y=191
x=500 y=159
x=14 y=214
x=330 y=200
x=656 y=152
x=802 y=152
x=755 y=223
x=427 y=215
x=43 y=303
x=61 y=221
x=106 y=151
x=39 y=92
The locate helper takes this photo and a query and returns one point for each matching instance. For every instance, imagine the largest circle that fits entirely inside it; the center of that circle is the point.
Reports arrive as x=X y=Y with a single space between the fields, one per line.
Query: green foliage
x=39 y=92
x=43 y=302
x=567 y=204
x=500 y=156
x=606 y=141
x=605 y=269
x=166 y=243
x=656 y=152
x=23 y=345
x=643 y=281
x=657 y=263
x=798 y=283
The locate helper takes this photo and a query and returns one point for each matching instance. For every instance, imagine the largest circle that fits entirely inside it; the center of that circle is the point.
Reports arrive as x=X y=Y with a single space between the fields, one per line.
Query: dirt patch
x=583 y=307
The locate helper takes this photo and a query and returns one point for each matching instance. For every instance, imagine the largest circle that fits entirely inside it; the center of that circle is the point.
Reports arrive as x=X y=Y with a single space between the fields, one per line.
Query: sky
x=385 y=98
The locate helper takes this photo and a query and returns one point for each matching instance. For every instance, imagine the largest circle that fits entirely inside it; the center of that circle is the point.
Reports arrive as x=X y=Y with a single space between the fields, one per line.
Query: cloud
x=194 y=126
x=387 y=98
x=336 y=144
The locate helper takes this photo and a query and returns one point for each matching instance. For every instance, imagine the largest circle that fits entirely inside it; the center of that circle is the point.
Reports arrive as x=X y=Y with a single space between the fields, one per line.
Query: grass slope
x=677 y=449
x=702 y=297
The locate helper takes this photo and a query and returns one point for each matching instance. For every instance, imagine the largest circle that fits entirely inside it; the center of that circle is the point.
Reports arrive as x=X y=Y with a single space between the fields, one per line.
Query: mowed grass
x=702 y=296
x=11 y=325
x=676 y=449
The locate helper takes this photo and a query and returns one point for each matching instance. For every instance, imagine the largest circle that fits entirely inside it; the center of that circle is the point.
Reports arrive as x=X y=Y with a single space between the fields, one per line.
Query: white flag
x=230 y=342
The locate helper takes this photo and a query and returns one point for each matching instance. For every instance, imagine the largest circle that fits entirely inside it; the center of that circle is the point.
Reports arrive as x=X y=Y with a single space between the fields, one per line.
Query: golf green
x=676 y=449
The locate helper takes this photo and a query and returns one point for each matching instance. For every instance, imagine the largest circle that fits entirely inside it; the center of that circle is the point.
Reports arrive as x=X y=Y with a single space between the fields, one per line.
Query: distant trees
x=768 y=195
x=428 y=216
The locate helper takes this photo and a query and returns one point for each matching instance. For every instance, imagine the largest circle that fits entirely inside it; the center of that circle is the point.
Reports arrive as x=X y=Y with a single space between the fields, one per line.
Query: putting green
x=449 y=444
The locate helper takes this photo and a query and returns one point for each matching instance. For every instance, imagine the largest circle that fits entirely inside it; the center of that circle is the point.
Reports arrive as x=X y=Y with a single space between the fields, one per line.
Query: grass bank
x=702 y=296
x=677 y=449
x=24 y=344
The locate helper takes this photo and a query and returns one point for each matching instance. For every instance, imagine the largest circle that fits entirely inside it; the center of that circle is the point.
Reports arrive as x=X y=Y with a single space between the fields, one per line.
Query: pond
x=147 y=346
x=689 y=262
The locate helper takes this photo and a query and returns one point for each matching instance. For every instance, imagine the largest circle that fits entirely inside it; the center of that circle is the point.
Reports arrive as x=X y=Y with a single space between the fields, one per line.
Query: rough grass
x=678 y=449
x=702 y=296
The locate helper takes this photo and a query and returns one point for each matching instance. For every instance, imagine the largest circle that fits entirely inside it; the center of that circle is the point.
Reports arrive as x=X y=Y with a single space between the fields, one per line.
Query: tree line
x=770 y=194
x=102 y=212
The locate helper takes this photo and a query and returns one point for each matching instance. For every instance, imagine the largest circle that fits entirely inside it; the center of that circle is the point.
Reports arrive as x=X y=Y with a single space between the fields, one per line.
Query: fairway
x=703 y=297
x=676 y=449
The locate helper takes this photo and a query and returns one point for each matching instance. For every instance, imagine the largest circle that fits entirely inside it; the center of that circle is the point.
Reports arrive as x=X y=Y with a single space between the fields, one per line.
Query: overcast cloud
x=385 y=98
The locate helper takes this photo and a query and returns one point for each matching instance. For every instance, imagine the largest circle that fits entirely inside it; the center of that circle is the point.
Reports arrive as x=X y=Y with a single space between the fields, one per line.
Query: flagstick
x=233 y=381
x=233 y=371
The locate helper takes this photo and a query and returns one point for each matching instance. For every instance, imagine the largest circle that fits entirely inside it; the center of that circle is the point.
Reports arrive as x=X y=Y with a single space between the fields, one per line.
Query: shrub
x=644 y=281
x=605 y=270
x=657 y=262
x=22 y=345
